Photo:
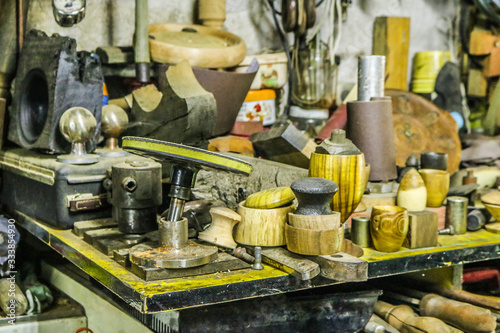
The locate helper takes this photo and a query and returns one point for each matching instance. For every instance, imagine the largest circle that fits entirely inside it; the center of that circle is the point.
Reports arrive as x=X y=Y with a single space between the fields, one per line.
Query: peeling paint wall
x=111 y=22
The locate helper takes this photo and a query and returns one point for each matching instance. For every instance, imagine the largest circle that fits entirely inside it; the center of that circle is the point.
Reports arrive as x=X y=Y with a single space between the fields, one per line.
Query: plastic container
x=426 y=67
x=259 y=105
x=272 y=72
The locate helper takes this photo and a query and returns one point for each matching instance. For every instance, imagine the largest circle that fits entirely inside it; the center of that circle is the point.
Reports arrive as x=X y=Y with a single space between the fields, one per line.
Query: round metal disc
x=78 y=159
x=191 y=255
x=106 y=152
x=177 y=153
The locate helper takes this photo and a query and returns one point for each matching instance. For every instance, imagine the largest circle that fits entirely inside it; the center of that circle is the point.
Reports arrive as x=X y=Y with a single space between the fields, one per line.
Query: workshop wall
x=111 y=22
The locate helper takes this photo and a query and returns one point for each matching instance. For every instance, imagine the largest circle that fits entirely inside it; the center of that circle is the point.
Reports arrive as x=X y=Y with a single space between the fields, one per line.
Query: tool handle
x=405 y=320
x=467 y=317
x=491 y=302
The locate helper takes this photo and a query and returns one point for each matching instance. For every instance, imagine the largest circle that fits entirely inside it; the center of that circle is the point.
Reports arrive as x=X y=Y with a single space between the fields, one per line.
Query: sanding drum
x=370 y=127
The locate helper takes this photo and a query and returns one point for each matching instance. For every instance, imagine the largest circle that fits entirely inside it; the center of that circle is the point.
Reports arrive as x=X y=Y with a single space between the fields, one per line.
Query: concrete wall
x=110 y=22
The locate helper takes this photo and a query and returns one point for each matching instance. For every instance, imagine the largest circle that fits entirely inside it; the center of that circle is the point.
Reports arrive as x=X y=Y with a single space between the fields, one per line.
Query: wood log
x=342 y=267
x=422 y=230
x=262 y=227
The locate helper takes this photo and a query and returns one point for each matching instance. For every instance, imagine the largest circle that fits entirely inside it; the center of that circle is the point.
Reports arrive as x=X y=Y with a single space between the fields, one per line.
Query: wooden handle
x=467 y=317
x=404 y=319
x=490 y=302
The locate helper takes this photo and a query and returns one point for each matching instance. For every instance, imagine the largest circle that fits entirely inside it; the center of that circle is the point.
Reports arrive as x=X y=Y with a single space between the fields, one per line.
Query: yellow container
x=426 y=67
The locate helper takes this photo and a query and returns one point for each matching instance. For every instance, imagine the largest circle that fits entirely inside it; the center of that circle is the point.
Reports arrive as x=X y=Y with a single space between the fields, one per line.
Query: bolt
x=242 y=254
x=258 y=258
x=129 y=184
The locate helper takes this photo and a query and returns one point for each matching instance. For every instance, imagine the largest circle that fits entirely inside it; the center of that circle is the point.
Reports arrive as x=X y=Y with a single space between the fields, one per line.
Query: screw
x=242 y=254
x=258 y=258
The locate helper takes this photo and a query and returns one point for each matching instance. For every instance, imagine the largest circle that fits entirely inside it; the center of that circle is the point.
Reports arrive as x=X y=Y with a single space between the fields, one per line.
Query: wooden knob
x=314 y=195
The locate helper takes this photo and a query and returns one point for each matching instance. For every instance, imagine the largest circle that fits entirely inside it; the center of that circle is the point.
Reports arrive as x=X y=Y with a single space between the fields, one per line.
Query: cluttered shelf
x=176 y=293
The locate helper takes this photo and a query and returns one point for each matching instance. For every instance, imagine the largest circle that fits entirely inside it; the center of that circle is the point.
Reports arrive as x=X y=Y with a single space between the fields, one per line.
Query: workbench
x=180 y=293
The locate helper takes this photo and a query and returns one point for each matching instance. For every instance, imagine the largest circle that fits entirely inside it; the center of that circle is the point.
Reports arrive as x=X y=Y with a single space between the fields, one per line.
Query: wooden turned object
x=314 y=229
x=262 y=227
x=314 y=242
x=220 y=231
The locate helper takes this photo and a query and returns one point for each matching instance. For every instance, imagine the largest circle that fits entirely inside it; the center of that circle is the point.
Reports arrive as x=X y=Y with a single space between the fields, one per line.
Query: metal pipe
x=175 y=210
x=371 y=77
x=456 y=214
x=141 y=46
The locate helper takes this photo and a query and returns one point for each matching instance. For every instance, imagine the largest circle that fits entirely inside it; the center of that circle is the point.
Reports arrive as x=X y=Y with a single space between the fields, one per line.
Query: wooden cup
x=388 y=227
x=437 y=183
x=262 y=227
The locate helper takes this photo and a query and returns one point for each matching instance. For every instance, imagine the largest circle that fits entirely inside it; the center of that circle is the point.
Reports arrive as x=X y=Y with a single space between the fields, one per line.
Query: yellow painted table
x=178 y=293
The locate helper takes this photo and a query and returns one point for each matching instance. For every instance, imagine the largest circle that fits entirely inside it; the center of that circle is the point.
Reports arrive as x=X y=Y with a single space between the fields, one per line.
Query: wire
x=286 y=47
x=317 y=5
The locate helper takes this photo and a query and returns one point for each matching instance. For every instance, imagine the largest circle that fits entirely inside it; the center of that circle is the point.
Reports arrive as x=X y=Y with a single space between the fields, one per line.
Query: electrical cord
x=286 y=47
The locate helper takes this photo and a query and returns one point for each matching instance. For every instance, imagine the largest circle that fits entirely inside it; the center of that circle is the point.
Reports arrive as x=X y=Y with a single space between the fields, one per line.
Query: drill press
x=175 y=251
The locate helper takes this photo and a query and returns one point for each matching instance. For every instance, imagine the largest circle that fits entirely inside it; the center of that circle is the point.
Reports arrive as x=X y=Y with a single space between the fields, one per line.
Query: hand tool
x=175 y=251
x=464 y=316
x=404 y=319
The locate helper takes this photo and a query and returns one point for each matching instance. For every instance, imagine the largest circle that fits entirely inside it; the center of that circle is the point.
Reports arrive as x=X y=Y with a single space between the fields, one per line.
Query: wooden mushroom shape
x=220 y=231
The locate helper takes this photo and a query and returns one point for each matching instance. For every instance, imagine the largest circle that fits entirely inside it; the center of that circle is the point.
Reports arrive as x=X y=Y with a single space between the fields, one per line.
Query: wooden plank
x=391 y=38
x=423 y=230
x=484 y=42
x=477 y=84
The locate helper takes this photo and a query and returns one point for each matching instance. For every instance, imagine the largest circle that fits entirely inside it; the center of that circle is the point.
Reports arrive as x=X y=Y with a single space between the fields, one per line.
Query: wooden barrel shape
x=314 y=242
x=349 y=172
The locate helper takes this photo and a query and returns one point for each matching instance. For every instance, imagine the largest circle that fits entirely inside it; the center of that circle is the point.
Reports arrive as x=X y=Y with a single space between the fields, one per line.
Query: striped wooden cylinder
x=349 y=172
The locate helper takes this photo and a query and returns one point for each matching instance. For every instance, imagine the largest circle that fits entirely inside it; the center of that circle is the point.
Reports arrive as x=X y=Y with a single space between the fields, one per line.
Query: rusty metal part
x=370 y=127
x=79 y=228
x=241 y=253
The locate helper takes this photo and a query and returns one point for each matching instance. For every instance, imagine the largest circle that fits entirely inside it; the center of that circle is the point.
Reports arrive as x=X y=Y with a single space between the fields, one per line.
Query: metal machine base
x=78 y=159
x=107 y=152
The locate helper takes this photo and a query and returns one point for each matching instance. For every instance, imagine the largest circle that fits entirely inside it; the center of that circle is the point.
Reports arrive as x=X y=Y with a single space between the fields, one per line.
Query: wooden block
x=315 y=222
x=441 y=211
x=422 y=231
x=342 y=267
x=477 y=84
x=284 y=144
x=484 y=42
x=391 y=38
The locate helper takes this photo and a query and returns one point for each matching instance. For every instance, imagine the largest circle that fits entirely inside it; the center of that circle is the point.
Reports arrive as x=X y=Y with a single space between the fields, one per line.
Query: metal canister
x=456 y=214
x=360 y=231
x=475 y=220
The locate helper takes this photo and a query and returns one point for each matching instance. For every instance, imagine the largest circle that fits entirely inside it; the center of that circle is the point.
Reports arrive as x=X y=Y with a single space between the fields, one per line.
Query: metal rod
x=371 y=77
x=175 y=210
x=141 y=47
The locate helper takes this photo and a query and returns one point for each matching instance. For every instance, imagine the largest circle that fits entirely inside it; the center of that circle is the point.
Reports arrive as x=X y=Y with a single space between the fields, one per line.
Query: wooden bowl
x=314 y=242
x=388 y=227
x=494 y=210
x=200 y=46
x=492 y=198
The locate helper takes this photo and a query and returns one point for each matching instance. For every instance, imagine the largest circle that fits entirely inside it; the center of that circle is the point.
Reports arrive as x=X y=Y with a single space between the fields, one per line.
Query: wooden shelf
x=177 y=293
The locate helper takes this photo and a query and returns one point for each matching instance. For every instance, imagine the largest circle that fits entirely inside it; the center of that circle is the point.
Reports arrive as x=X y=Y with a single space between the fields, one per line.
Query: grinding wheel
x=181 y=154
x=175 y=251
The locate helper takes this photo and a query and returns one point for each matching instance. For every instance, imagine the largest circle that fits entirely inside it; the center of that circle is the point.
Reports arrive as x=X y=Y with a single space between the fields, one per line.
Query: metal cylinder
x=141 y=47
x=370 y=127
x=360 y=231
x=371 y=77
x=136 y=193
x=456 y=214
x=475 y=220
x=173 y=234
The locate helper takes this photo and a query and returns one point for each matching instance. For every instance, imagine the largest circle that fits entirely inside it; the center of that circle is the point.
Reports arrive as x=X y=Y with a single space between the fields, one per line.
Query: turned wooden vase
x=412 y=193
